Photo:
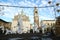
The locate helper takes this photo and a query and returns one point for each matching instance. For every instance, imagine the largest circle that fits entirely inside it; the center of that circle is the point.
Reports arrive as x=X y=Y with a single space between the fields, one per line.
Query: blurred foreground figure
x=1 y=31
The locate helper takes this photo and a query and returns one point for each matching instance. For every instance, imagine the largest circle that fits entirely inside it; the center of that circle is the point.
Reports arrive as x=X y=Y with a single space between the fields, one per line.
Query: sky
x=44 y=13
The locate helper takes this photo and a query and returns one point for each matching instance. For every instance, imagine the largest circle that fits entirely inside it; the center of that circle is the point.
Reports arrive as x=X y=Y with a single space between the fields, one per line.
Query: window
x=35 y=11
x=48 y=24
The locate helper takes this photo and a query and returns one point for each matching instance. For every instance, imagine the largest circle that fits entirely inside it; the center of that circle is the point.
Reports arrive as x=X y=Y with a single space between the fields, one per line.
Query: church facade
x=21 y=23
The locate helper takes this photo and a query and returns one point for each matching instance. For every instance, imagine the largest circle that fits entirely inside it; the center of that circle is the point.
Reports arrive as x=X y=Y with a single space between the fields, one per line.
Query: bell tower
x=36 y=17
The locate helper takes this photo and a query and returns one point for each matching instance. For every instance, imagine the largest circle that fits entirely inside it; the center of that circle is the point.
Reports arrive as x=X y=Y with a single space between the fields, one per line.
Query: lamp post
x=55 y=6
x=55 y=10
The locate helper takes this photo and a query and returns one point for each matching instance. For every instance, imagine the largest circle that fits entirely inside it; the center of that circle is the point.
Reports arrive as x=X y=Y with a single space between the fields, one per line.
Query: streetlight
x=49 y=2
x=57 y=4
x=58 y=10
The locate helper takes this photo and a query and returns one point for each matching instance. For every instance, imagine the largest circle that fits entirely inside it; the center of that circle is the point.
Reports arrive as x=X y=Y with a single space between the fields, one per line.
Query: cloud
x=8 y=12
x=46 y=13
x=3 y=3
x=57 y=1
x=45 y=18
x=37 y=1
x=31 y=17
x=11 y=11
x=25 y=0
x=27 y=3
x=32 y=0
x=43 y=3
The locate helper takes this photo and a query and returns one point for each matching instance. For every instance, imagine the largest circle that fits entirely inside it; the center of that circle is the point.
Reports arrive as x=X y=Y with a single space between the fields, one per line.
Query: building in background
x=14 y=24
x=47 y=25
x=21 y=23
x=4 y=24
x=57 y=26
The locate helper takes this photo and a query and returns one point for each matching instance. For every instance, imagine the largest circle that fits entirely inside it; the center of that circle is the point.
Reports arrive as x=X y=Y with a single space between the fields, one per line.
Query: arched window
x=47 y=23
x=51 y=24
